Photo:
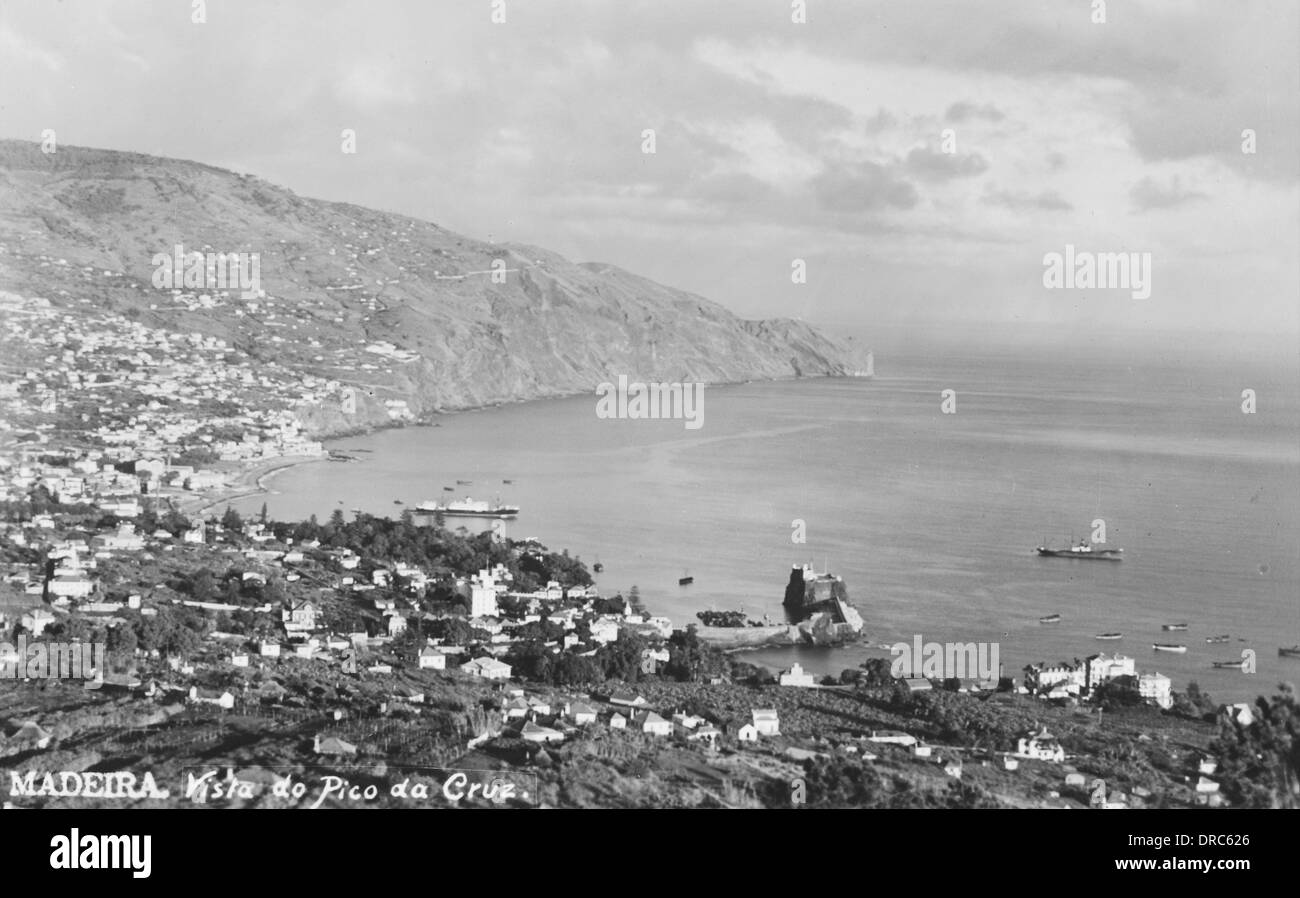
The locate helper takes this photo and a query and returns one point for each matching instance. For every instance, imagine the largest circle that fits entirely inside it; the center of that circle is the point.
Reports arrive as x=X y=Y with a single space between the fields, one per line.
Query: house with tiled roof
x=652 y=723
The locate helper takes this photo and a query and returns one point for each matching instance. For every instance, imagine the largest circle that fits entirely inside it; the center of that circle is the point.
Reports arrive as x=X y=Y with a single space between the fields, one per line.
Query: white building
x=1046 y=677
x=1103 y=668
x=1156 y=687
x=766 y=722
x=482 y=595
x=432 y=659
x=795 y=676
x=1040 y=746
x=487 y=668
x=652 y=723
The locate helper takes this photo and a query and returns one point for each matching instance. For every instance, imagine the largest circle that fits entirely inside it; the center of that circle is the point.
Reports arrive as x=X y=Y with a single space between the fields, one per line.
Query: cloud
x=925 y=162
x=375 y=82
x=862 y=187
x=24 y=49
x=1149 y=194
x=963 y=111
x=1047 y=200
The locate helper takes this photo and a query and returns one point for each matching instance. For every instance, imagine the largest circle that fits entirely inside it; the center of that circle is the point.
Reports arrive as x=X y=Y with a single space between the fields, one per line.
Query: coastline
x=250 y=479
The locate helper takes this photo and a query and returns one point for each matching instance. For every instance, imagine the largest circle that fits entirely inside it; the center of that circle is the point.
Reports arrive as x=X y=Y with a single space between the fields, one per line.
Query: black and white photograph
x=731 y=404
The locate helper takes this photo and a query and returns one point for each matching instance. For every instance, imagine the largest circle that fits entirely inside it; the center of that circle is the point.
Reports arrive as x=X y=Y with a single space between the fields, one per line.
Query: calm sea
x=929 y=517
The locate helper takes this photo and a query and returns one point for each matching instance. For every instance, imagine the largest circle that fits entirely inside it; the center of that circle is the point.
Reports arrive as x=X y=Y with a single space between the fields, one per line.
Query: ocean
x=930 y=518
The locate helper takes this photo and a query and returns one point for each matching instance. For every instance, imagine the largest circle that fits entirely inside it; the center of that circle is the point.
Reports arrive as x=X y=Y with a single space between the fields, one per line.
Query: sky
x=920 y=157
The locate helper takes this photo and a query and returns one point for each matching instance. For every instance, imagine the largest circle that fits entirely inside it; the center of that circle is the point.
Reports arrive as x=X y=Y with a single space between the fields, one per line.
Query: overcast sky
x=775 y=141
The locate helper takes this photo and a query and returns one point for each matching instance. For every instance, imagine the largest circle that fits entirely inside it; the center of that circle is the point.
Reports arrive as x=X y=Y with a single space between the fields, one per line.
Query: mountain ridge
x=398 y=307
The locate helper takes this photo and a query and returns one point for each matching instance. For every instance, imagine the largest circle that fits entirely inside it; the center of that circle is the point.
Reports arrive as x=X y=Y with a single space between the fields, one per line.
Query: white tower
x=482 y=595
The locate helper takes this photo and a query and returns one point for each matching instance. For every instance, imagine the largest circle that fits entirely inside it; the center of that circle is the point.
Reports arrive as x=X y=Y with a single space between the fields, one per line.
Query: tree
x=1193 y=703
x=231 y=520
x=1121 y=692
x=690 y=659
x=122 y=640
x=263 y=515
x=204 y=586
x=878 y=673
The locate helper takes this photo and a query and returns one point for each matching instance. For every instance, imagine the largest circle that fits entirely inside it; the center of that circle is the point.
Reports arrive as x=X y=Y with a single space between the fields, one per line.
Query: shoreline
x=249 y=480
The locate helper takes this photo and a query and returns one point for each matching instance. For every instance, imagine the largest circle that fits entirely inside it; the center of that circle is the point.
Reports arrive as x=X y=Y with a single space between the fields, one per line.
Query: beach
x=247 y=480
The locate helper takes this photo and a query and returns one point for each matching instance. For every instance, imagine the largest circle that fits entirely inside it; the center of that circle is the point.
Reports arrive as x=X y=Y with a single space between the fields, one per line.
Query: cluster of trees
x=1121 y=692
x=171 y=520
x=174 y=630
x=1259 y=764
x=230 y=588
x=433 y=548
x=626 y=659
x=721 y=618
x=1194 y=704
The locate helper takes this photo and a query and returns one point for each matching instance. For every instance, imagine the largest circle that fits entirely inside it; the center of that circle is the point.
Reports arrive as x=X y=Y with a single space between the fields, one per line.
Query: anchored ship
x=468 y=508
x=1084 y=550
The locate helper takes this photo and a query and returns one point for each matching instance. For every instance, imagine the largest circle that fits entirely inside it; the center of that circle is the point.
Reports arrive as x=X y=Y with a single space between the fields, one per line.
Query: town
x=395 y=641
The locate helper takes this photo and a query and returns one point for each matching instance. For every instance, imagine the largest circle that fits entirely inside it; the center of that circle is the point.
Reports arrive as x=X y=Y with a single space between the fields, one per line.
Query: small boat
x=464 y=482
x=507 y=481
x=449 y=489
x=397 y=501
x=1214 y=640
x=1167 y=647
x=1110 y=635
x=1172 y=627
x=1230 y=665
x=1050 y=619
x=598 y=567
x=1292 y=652
x=685 y=581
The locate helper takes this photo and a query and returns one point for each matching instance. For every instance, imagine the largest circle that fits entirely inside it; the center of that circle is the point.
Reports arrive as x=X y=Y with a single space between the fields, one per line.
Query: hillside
x=85 y=224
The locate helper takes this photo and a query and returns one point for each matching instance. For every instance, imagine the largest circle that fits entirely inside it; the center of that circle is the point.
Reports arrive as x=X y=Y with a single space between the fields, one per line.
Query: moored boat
x=1292 y=652
x=1173 y=627
x=1050 y=619
x=467 y=507
x=1168 y=647
x=1230 y=665
x=1215 y=640
x=1110 y=635
x=1084 y=551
